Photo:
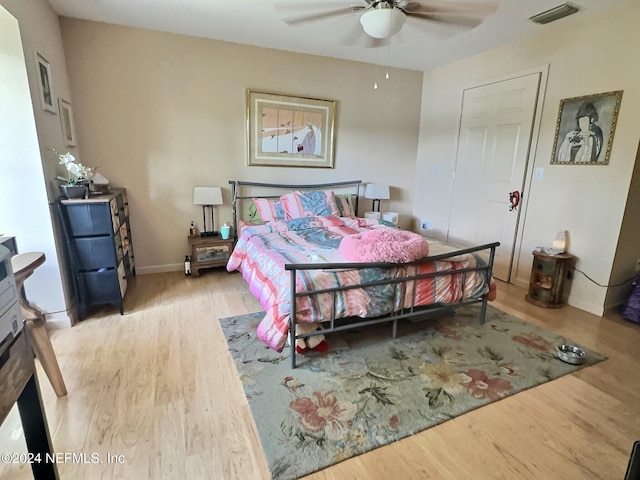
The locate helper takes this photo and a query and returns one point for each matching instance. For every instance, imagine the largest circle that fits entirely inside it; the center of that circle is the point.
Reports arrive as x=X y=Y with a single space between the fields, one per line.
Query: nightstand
x=208 y=252
x=548 y=274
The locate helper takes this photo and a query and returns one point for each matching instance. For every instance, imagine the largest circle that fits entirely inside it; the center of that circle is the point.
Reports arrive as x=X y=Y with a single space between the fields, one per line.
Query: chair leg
x=45 y=353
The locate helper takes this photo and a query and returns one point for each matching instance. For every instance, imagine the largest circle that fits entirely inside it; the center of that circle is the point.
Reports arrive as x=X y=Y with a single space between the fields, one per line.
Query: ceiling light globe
x=382 y=22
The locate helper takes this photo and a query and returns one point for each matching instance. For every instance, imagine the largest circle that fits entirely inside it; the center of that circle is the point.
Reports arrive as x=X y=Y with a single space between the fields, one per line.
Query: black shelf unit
x=99 y=246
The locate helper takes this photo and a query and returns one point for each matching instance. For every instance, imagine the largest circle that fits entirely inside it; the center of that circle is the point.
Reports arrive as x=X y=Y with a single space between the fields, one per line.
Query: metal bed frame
x=237 y=197
x=406 y=283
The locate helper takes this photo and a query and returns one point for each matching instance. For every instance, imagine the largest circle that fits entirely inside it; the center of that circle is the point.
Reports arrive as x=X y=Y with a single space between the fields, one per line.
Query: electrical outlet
x=425 y=226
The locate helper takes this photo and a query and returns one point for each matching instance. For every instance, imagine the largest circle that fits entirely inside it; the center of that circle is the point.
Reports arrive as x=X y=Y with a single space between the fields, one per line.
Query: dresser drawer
x=545 y=267
x=540 y=294
x=101 y=287
x=95 y=253
x=89 y=219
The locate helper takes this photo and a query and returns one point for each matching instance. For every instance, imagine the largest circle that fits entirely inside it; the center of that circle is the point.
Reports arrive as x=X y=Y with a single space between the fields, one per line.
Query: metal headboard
x=238 y=195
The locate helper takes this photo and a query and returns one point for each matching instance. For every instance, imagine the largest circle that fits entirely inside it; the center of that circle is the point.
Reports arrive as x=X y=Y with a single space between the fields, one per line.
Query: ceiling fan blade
x=449 y=18
x=459 y=13
x=314 y=17
x=428 y=31
x=481 y=8
x=298 y=13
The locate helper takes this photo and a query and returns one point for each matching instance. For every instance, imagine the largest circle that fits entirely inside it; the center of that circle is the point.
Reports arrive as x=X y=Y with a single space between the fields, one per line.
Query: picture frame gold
x=585 y=129
x=289 y=131
x=47 y=97
x=66 y=121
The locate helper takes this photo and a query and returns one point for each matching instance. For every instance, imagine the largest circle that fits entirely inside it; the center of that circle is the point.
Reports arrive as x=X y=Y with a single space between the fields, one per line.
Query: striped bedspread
x=262 y=251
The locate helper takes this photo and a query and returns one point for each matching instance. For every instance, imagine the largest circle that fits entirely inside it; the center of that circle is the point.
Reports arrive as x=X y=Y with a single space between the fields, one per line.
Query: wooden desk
x=23 y=265
x=19 y=385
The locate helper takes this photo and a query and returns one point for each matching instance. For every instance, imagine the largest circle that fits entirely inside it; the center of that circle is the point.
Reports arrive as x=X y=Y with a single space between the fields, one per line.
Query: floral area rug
x=370 y=390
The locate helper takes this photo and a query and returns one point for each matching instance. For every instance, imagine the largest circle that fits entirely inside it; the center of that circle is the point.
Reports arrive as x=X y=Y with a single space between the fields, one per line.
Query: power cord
x=66 y=310
x=621 y=284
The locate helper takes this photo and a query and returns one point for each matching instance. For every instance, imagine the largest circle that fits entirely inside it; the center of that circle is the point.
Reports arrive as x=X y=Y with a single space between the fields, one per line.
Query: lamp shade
x=382 y=22
x=377 y=191
x=207 y=196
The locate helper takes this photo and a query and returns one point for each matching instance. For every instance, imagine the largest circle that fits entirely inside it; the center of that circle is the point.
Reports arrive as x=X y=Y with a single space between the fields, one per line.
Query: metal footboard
x=401 y=282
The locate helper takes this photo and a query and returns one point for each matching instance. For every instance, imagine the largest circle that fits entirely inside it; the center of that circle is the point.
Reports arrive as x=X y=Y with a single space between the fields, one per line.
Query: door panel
x=493 y=148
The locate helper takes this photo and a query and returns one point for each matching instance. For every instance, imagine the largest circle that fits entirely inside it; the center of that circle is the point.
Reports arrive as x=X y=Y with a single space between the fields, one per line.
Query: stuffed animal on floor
x=317 y=343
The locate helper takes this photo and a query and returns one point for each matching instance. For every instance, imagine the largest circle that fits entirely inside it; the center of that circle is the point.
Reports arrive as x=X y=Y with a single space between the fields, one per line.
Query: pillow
x=254 y=215
x=345 y=205
x=269 y=209
x=312 y=203
x=384 y=245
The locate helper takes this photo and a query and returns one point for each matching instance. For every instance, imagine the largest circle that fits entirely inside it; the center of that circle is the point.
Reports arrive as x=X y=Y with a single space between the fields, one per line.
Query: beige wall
x=590 y=56
x=27 y=184
x=160 y=113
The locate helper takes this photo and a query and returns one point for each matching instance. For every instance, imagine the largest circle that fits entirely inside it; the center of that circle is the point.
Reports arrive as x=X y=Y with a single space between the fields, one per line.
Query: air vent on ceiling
x=555 y=13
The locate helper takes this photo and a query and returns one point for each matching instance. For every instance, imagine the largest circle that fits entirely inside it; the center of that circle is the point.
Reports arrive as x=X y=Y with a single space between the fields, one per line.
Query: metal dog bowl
x=571 y=354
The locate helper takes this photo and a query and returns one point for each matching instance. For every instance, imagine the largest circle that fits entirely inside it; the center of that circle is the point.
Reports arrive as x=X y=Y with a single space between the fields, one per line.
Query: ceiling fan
x=382 y=19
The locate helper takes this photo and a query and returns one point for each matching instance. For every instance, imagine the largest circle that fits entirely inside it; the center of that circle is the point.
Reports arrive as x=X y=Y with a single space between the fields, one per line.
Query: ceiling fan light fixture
x=382 y=22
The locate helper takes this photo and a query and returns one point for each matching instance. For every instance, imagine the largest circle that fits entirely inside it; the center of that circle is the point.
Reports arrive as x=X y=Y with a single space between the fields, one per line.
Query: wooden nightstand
x=548 y=276
x=209 y=252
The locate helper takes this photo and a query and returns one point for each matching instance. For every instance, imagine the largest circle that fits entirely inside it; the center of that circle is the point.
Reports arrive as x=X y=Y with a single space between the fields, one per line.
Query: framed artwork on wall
x=66 y=120
x=289 y=131
x=585 y=129
x=47 y=98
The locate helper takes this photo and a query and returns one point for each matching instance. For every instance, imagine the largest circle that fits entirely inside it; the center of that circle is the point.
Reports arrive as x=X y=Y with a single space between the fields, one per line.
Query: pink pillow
x=312 y=203
x=384 y=245
x=269 y=209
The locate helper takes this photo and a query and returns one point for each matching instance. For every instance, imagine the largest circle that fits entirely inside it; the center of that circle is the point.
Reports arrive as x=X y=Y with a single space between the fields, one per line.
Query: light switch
x=539 y=173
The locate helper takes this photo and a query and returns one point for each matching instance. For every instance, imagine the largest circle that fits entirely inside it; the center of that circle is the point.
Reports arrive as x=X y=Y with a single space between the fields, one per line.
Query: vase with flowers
x=76 y=183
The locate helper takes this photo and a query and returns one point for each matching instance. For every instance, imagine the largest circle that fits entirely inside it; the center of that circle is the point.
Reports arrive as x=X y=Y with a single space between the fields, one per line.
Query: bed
x=289 y=254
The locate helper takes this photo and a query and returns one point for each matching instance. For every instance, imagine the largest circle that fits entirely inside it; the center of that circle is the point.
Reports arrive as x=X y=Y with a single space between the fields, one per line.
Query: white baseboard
x=582 y=305
x=614 y=308
x=586 y=306
x=173 y=267
x=61 y=320
x=521 y=283
x=56 y=321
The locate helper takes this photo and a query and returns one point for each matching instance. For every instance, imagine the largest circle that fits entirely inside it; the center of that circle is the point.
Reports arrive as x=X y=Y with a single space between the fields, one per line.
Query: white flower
x=66 y=158
x=76 y=172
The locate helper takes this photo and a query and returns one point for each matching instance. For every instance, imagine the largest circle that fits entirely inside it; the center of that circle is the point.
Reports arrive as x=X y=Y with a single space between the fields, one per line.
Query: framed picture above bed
x=289 y=131
x=585 y=129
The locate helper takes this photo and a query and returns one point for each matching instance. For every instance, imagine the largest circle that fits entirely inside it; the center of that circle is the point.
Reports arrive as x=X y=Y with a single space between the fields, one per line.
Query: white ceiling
x=420 y=45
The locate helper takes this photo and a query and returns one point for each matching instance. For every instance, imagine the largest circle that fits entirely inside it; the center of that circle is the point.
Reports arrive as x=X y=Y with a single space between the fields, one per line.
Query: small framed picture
x=585 y=129
x=47 y=98
x=66 y=120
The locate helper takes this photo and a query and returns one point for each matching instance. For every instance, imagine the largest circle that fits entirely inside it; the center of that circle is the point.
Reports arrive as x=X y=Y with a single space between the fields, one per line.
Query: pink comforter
x=262 y=251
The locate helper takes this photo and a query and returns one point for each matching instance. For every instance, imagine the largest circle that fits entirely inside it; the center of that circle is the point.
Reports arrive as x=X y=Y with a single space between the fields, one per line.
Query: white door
x=493 y=149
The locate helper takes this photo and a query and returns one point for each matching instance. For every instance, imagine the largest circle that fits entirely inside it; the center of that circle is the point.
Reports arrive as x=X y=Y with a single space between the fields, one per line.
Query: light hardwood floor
x=158 y=387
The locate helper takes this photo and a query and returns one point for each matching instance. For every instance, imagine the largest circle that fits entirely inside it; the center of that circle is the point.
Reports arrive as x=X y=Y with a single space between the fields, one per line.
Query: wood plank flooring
x=158 y=387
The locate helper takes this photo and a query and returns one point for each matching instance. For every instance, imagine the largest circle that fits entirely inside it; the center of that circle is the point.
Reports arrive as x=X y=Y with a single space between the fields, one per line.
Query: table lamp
x=376 y=192
x=207 y=197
